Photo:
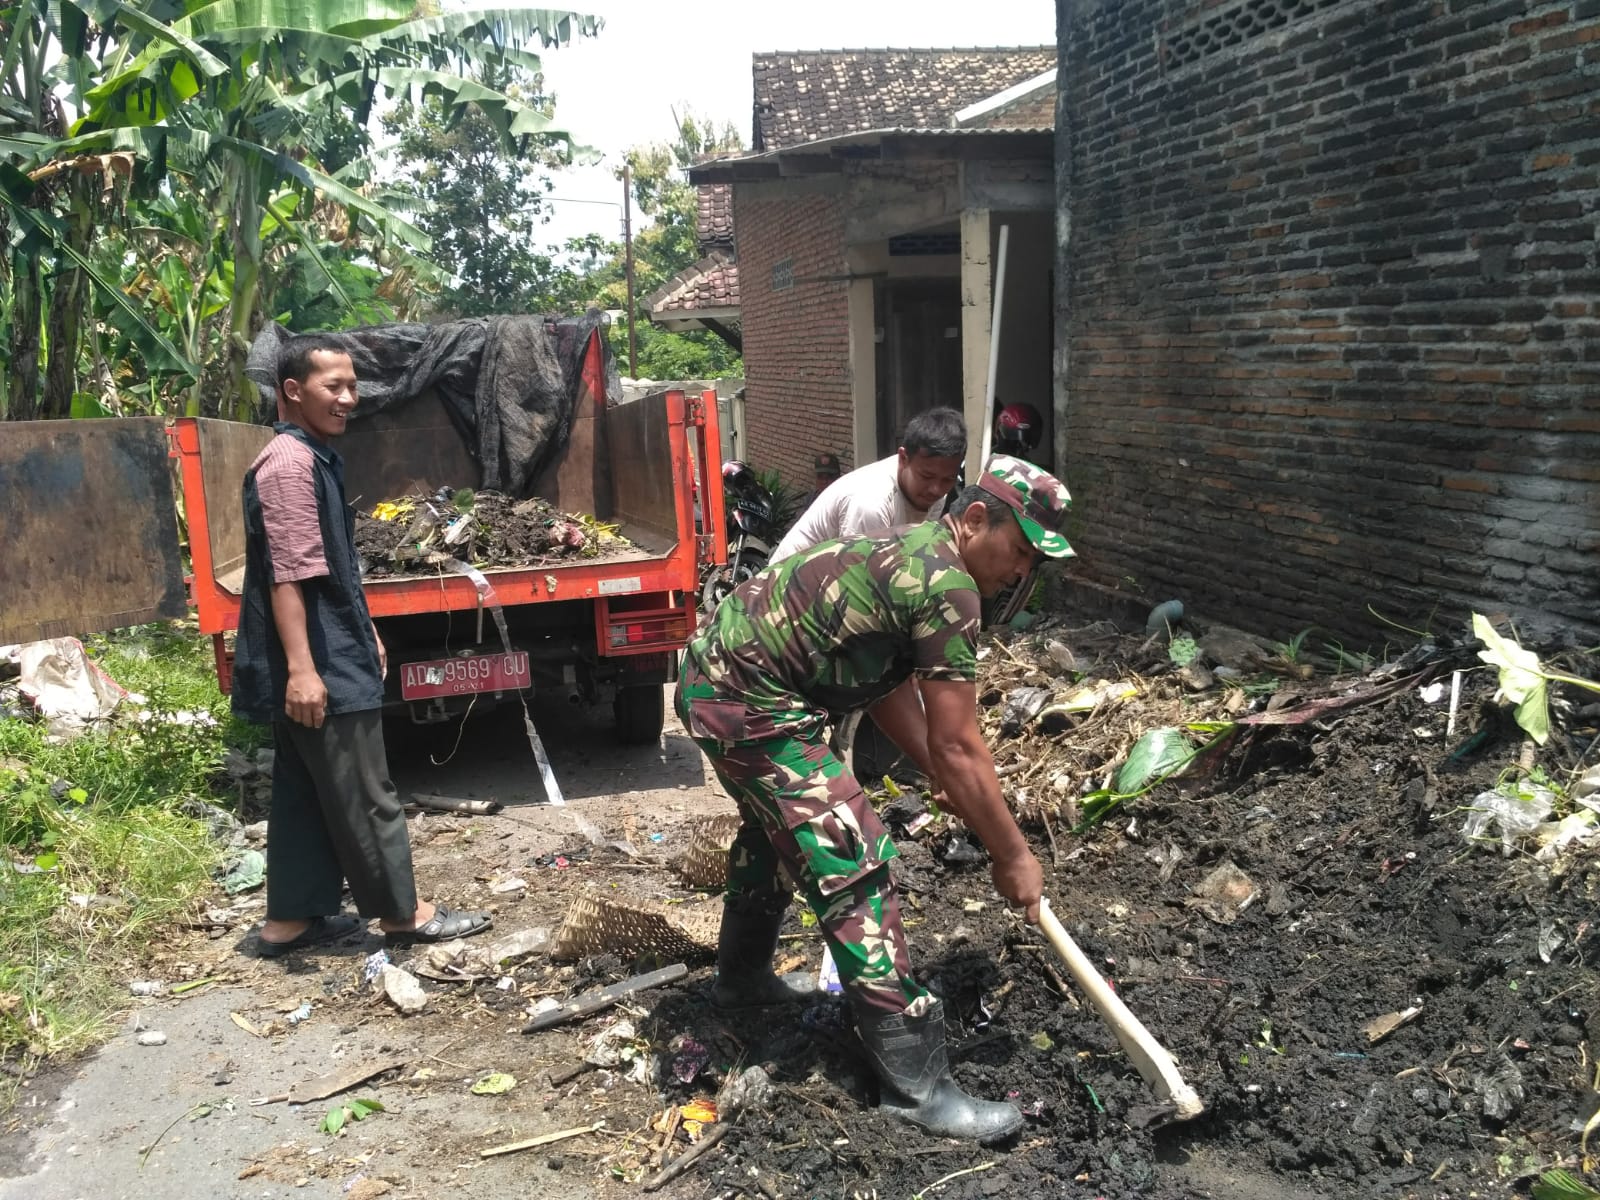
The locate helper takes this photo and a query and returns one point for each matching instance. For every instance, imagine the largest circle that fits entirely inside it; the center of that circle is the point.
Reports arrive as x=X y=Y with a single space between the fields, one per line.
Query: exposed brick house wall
x=797 y=333
x=1329 y=322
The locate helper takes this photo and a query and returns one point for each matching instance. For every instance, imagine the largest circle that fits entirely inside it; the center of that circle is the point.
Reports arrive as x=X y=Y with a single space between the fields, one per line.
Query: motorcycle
x=752 y=520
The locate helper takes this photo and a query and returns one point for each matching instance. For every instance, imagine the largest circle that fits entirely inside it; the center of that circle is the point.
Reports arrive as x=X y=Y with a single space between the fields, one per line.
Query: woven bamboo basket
x=630 y=927
x=705 y=863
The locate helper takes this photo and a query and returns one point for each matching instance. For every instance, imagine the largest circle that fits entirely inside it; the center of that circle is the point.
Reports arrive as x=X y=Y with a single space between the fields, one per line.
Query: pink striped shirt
x=287 y=489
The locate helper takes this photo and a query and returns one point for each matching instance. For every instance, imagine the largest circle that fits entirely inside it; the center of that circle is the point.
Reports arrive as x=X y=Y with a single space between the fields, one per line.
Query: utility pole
x=627 y=260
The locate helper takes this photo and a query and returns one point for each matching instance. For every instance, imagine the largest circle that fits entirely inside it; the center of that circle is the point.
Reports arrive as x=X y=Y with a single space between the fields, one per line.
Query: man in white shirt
x=899 y=490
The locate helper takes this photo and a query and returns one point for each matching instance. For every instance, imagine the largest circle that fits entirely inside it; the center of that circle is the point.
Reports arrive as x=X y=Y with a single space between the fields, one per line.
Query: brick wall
x=796 y=337
x=1329 y=326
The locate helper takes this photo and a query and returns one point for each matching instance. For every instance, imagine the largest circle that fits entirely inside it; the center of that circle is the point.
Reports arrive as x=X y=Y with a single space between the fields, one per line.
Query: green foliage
x=483 y=205
x=1295 y=646
x=1158 y=756
x=1183 y=650
x=256 y=119
x=663 y=248
x=340 y=1115
x=103 y=820
x=786 y=500
x=1562 y=1185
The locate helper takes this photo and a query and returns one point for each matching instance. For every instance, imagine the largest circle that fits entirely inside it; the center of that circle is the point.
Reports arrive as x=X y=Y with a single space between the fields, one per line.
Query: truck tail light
x=638 y=632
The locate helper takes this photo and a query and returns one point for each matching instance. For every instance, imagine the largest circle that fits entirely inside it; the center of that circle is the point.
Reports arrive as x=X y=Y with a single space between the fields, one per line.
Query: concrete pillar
x=863 y=371
x=977 y=304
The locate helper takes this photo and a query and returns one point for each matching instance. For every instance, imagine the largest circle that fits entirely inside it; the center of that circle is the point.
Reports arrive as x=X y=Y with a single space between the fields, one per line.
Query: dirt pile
x=421 y=534
x=1369 y=1003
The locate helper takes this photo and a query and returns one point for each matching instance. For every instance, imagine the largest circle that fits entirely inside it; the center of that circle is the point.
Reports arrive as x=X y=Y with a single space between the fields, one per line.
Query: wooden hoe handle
x=1148 y=1055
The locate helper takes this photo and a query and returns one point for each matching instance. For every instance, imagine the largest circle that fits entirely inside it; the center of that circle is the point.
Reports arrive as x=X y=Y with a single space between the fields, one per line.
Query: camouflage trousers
x=809 y=826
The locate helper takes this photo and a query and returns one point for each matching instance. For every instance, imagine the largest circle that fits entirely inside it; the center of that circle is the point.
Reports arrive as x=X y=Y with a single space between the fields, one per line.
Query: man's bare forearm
x=900 y=716
x=965 y=770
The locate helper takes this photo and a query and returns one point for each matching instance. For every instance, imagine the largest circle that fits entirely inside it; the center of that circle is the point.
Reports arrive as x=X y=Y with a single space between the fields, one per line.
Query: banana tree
x=255 y=76
x=243 y=89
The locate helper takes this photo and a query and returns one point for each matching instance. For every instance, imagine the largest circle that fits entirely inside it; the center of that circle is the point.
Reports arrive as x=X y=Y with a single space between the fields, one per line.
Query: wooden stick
x=674 y=1119
x=1148 y=1055
x=593 y=1002
x=544 y=1139
x=568 y=1074
x=456 y=804
x=687 y=1159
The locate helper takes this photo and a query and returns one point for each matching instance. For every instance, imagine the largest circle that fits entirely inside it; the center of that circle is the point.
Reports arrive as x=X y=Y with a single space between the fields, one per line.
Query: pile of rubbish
x=1082 y=720
x=420 y=534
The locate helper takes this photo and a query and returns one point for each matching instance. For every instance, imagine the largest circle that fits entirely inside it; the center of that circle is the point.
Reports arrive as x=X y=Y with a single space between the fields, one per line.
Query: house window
x=783 y=275
x=1233 y=26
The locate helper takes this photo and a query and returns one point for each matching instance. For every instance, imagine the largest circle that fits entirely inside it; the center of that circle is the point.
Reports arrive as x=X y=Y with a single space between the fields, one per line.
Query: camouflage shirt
x=832 y=629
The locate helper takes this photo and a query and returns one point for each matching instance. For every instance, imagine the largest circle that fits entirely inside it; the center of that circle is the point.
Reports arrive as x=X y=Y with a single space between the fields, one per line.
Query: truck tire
x=641 y=712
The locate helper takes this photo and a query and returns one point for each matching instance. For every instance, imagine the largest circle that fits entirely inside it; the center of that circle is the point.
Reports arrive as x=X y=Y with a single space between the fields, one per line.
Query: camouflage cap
x=1039 y=500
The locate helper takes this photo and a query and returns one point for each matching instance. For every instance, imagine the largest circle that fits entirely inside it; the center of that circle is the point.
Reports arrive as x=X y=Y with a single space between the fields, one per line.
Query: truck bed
x=628 y=464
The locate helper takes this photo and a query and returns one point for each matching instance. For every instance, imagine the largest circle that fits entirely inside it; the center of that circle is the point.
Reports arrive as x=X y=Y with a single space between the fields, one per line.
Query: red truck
x=90 y=543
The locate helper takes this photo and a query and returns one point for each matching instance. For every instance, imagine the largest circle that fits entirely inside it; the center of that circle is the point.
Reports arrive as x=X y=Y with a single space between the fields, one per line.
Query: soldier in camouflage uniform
x=837 y=629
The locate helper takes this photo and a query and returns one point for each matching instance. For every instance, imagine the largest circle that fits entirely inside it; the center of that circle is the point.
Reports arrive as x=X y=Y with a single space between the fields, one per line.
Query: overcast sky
x=619 y=89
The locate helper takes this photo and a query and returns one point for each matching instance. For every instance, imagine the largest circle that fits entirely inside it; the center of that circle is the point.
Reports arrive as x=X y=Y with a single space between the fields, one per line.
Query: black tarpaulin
x=510 y=384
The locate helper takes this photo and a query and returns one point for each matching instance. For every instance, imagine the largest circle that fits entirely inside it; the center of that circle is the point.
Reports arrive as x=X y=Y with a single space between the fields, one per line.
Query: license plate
x=463 y=676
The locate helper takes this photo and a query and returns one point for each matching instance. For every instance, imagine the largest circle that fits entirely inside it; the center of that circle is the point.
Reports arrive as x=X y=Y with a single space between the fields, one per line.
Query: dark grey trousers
x=336 y=816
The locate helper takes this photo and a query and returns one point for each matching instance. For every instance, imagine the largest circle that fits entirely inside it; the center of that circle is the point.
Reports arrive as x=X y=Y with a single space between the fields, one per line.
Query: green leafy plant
x=1183 y=650
x=341 y=1115
x=1159 y=755
x=1523 y=681
x=1295 y=646
x=1562 y=1185
x=1265 y=1039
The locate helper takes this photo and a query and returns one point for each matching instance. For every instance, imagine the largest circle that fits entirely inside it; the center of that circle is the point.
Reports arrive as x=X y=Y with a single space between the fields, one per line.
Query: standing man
x=899 y=490
x=826 y=469
x=840 y=628
x=309 y=661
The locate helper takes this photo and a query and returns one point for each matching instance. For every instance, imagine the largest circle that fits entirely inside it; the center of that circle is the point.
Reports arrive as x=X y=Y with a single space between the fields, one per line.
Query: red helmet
x=1018 y=426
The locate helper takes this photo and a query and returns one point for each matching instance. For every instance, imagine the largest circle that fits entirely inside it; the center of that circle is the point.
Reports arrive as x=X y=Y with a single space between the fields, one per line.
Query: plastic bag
x=1517 y=815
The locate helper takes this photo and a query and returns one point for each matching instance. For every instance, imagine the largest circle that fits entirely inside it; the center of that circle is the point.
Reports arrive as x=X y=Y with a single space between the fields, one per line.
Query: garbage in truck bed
x=418 y=534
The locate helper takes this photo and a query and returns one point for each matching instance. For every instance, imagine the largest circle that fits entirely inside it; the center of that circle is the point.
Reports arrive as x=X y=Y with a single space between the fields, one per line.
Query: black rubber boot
x=909 y=1056
x=745 y=947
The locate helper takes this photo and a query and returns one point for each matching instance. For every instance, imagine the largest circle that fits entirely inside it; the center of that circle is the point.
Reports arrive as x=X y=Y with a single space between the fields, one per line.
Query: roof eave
x=831 y=154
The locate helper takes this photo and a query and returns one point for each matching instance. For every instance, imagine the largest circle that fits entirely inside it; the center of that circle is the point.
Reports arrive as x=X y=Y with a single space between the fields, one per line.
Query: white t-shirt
x=866 y=502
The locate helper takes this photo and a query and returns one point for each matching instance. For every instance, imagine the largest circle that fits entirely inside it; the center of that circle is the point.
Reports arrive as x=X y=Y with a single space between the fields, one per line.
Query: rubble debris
x=1223 y=894
x=66 y=687
x=403 y=990
x=687 y=1159
x=419 y=533
x=1381 y=1027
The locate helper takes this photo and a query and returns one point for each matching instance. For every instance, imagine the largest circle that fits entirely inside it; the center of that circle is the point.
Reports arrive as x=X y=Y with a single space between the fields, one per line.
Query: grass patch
x=97 y=850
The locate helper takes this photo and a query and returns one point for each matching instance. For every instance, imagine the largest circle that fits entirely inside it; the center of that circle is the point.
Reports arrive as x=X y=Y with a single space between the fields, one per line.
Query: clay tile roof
x=806 y=95
x=714 y=221
x=711 y=283
x=1036 y=110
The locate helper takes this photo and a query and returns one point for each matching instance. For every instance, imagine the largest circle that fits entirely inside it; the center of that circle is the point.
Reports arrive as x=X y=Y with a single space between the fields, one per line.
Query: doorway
x=918 y=352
